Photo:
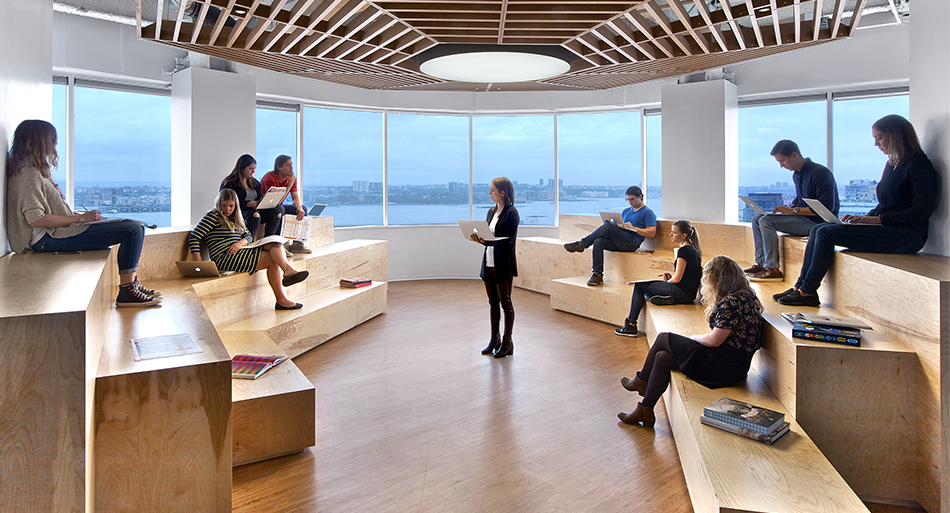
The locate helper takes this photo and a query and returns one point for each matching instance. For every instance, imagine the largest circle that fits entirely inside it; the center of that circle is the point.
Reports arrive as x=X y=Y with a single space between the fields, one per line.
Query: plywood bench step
x=726 y=472
x=274 y=414
x=325 y=314
x=608 y=303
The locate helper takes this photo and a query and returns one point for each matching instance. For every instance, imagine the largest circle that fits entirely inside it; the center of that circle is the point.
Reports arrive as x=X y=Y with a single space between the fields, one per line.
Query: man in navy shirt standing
x=638 y=221
x=812 y=181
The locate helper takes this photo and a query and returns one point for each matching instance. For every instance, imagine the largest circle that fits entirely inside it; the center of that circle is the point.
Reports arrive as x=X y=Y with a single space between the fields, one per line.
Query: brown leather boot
x=635 y=385
x=642 y=415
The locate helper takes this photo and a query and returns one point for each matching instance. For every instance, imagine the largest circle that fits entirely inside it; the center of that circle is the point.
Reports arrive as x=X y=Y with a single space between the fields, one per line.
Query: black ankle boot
x=492 y=345
x=507 y=349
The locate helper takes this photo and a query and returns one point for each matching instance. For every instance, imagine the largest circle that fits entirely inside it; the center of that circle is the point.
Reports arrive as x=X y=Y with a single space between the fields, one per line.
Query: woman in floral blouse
x=716 y=359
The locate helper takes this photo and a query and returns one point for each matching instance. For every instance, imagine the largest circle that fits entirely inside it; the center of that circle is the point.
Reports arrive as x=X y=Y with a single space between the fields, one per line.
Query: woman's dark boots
x=642 y=415
x=635 y=385
x=492 y=345
x=507 y=348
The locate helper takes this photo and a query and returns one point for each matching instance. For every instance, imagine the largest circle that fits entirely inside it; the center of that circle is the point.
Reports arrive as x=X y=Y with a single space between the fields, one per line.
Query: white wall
x=700 y=151
x=213 y=123
x=930 y=108
x=431 y=252
x=26 y=64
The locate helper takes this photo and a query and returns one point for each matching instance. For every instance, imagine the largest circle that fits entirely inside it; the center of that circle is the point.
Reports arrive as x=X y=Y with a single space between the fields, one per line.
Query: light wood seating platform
x=726 y=472
x=93 y=430
x=873 y=411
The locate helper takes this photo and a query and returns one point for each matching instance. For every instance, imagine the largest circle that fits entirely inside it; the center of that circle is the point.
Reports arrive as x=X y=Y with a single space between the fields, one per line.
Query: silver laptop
x=822 y=211
x=272 y=197
x=479 y=228
x=197 y=269
x=316 y=210
x=615 y=218
x=753 y=205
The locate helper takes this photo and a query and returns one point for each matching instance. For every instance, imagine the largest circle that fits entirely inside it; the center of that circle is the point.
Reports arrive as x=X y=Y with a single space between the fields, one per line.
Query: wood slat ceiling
x=371 y=44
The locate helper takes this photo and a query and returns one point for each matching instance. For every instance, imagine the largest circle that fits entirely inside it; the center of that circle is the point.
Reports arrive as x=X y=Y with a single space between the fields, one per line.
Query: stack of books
x=826 y=328
x=352 y=283
x=743 y=419
x=253 y=366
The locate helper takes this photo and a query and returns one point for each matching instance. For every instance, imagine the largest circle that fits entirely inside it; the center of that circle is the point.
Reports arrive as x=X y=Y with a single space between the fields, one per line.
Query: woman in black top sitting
x=241 y=180
x=499 y=266
x=677 y=288
x=719 y=358
x=906 y=195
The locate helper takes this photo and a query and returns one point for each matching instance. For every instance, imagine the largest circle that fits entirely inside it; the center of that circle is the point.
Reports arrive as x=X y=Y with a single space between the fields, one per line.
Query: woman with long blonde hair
x=716 y=359
x=226 y=236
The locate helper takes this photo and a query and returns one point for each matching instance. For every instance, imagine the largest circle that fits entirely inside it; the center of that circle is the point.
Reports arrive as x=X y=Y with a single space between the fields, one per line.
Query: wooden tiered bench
x=89 y=429
x=725 y=472
x=878 y=412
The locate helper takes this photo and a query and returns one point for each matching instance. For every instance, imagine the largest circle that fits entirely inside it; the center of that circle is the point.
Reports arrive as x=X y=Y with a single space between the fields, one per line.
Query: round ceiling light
x=494 y=63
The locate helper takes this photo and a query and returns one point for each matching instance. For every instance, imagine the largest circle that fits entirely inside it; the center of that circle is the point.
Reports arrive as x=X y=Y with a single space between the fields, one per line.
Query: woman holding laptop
x=223 y=230
x=906 y=195
x=241 y=180
x=499 y=266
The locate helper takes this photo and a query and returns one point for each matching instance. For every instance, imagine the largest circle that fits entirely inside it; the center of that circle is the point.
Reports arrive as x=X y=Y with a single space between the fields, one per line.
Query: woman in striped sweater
x=224 y=232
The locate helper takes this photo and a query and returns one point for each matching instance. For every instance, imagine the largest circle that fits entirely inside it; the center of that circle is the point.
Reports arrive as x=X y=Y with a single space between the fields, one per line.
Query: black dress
x=728 y=363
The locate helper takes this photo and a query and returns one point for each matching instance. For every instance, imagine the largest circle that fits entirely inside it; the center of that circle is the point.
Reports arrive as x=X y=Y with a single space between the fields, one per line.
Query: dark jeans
x=127 y=234
x=499 y=298
x=612 y=238
x=273 y=228
x=646 y=289
x=869 y=238
x=267 y=217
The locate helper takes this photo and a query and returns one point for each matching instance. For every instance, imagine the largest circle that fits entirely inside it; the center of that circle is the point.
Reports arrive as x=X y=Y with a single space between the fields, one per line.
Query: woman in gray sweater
x=38 y=217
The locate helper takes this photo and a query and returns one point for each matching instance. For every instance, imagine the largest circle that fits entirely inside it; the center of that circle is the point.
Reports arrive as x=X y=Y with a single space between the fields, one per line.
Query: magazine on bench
x=744 y=415
x=752 y=435
x=253 y=366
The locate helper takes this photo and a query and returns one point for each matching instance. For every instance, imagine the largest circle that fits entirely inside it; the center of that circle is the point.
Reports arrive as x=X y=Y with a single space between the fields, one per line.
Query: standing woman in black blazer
x=499 y=266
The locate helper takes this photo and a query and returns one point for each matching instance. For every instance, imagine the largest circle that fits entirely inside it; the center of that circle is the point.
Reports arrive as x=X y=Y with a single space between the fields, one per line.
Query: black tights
x=499 y=298
x=656 y=369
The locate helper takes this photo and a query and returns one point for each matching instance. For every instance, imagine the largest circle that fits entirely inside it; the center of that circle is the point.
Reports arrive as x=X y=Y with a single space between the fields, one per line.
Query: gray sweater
x=30 y=196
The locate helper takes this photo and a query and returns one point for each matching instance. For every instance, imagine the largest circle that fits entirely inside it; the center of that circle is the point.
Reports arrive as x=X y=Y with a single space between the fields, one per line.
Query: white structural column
x=26 y=58
x=930 y=114
x=213 y=123
x=700 y=151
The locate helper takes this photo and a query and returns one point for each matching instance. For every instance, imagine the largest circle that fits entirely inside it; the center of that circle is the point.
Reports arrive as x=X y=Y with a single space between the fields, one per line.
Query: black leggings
x=656 y=368
x=499 y=298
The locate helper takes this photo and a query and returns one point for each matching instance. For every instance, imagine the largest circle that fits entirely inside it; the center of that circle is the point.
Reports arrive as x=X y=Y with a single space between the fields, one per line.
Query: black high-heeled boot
x=492 y=345
x=507 y=349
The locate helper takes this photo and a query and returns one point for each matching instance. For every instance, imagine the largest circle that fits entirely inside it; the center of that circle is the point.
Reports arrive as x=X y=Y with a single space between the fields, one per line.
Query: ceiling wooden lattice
x=371 y=44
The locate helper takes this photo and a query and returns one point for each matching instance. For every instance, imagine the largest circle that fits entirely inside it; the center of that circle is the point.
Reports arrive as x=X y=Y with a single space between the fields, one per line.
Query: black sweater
x=506 y=266
x=907 y=194
x=242 y=192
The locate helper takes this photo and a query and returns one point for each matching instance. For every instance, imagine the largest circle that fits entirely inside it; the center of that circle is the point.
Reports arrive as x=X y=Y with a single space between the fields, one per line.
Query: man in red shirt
x=283 y=176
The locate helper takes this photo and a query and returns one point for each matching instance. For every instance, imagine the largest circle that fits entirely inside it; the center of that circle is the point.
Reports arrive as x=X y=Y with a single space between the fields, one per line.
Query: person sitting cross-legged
x=639 y=223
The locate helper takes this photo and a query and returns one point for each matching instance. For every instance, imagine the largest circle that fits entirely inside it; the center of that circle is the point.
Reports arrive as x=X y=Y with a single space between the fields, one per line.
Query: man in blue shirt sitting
x=812 y=181
x=638 y=222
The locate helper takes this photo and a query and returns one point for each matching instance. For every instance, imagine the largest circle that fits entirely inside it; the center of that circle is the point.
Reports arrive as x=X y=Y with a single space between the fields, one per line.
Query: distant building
x=360 y=185
x=861 y=191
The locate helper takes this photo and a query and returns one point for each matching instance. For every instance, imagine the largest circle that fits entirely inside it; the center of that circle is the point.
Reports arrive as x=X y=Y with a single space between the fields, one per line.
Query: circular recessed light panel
x=494 y=63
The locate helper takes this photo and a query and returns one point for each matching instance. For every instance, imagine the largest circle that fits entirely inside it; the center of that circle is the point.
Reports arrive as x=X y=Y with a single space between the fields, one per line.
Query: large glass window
x=276 y=135
x=428 y=169
x=521 y=148
x=857 y=162
x=760 y=176
x=343 y=164
x=123 y=154
x=599 y=157
x=59 y=121
x=654 y=144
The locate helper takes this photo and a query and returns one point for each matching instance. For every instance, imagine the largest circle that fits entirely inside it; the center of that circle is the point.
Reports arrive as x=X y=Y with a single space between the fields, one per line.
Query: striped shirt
x=219 y=239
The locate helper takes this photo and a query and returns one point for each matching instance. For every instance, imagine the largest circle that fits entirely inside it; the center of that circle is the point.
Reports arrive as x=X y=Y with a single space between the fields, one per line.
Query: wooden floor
x=410 y=417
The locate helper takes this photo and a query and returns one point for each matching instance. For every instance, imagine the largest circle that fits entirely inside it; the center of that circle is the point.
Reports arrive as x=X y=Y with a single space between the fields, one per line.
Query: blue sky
x=125 y=137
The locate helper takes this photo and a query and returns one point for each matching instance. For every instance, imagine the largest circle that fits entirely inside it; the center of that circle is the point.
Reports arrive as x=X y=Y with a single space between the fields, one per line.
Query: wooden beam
x=645 y=49
x=755 y=23
x=295 y=13
x=816 y=18
x=836 y=20
x=319 y=14
x=501 y=21
x=684 y=17
x=657 y=13
x=238 y=28
x=856 y=17
x=264 y=23
x=736 y=29
x=199 y=22
x=713 y=27
x=219 y=24
x=775 y=21
x=641 y=24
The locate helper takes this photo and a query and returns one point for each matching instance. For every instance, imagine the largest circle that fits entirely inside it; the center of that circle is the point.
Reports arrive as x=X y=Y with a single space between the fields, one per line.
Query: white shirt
x=490 y=250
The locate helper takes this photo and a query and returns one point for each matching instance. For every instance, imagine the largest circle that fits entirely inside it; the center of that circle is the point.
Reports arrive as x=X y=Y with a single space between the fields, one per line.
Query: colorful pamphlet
x=253 y=366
